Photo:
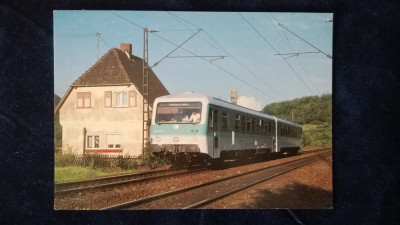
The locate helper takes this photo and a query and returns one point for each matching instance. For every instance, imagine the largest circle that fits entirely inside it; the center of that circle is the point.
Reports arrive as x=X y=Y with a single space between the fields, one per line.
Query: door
x=214 y=131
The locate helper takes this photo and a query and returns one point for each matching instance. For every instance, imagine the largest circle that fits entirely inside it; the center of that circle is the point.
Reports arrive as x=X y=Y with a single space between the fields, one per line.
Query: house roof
x=117 y=68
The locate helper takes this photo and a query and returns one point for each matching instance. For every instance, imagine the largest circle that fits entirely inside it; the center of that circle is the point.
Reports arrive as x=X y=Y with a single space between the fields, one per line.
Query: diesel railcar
x=196 y=128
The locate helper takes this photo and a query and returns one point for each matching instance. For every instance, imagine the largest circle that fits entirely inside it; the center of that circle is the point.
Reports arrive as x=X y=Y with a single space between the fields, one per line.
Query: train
x=193 y=128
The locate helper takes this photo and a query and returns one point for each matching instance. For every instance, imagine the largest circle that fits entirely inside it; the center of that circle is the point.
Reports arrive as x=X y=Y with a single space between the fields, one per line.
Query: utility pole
x=293 y=112
x=146 y=114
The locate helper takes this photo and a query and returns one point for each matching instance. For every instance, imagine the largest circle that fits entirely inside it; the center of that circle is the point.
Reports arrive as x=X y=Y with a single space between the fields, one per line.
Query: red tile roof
x=116 y=68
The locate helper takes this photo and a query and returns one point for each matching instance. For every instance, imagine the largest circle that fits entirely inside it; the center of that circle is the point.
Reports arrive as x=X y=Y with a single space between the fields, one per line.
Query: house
x=102 y=111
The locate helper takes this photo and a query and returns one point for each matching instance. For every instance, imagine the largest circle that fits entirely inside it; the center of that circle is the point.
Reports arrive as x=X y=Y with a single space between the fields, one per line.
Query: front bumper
x=171 y=148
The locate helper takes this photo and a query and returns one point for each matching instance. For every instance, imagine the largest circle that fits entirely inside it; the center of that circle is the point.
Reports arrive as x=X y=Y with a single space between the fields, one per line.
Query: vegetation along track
x=112 y=181
x=205 y=193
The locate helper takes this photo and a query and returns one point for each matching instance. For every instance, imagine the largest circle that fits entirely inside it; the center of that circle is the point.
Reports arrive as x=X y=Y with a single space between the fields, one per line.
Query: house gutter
x=101 y=85
x=62 y=100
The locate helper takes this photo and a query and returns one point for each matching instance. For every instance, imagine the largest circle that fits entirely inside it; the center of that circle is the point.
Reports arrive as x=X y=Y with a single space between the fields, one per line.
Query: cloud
x=250 y=102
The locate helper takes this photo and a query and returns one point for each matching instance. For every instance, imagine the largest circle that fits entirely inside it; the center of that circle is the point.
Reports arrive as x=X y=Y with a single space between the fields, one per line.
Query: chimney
x=234 y=96
x=127 y=48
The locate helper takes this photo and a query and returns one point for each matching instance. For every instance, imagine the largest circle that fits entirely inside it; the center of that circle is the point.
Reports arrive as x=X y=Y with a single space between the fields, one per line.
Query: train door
x=213 y=128
x=275 y=135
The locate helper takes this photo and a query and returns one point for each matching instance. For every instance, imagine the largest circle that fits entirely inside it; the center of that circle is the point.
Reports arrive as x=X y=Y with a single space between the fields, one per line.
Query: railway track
x=112 y=181
x=202 y=194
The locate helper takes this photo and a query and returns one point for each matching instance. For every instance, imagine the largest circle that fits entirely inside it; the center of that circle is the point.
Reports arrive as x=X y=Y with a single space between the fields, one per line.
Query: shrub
x=152 y=160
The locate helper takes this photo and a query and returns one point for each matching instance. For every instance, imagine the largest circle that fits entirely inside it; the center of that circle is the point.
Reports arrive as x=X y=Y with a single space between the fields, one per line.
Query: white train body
x=222 y=129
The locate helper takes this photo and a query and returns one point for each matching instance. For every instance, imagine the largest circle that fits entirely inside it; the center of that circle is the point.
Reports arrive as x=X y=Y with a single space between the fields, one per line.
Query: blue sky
x=249 y=43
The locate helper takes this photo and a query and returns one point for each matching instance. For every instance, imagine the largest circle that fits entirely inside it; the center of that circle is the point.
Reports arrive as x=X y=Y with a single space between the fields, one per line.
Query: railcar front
x=178 y=129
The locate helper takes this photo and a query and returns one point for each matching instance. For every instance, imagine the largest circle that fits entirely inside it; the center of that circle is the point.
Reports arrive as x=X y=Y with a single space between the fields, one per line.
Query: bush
x=317 y=135
x=153 y=161
x=95 y=161
x=64 y=160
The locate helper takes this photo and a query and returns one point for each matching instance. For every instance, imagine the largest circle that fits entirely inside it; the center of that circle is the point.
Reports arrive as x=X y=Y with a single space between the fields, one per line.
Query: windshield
x=178 y=112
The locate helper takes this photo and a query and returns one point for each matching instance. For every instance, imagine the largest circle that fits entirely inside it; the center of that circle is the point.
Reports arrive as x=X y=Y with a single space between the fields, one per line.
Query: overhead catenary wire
x=236 y=77
x=327 y=55
x=178 y=18
x=230 y=55
x=266 y=41
x=155 y=64
x=291 y=47
x=137 y=25
x=219 y=67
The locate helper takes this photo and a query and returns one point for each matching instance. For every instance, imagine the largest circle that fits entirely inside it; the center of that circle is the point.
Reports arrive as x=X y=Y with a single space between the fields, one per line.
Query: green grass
x=71 y=173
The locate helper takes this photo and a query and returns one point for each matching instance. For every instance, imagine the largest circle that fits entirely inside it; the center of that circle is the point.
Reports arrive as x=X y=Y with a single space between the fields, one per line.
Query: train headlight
x=194 y=139
x=158 y=139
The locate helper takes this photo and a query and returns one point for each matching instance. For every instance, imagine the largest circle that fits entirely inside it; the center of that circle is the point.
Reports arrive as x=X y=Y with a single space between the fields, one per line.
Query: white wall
x=100 y=120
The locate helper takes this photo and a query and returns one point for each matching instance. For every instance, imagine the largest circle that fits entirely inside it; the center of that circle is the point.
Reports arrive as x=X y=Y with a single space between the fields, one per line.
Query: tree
x=313 y=111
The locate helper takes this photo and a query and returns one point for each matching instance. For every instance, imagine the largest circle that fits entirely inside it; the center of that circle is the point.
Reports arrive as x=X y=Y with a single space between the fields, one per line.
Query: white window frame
x=114 y=145
x=118 y=98
x=91 y=141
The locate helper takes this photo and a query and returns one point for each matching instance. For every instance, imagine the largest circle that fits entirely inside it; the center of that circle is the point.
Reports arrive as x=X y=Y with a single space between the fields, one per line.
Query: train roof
x=191 y=96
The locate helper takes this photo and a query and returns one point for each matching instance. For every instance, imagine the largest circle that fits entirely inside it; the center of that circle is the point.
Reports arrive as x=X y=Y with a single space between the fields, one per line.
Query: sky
x=206 y=52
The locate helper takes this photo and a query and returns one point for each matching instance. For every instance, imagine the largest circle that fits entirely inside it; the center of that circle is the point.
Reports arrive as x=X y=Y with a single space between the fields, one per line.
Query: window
x=210 y=118
x=243 y=126
x=108 y=99
x=114 y=141
x=92 y=141
x=237 y=122
x=83 y=99
x=260 y=126
x=215 y=119
x=255 y=125
x=225 y=119
x=132 y=98
x=178 y=112
x=249 y=125
x=120 y=99
x=263 y=127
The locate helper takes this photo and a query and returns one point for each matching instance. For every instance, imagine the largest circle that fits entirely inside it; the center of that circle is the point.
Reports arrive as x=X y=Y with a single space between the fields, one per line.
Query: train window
x=225 y=120
x=261 y=127
x=210 y=118
x=237 y=122
x=269 y=127
x=215 y=117
x=243 y=126
x=255 y=126
x=248 y=125
x=178 y=112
